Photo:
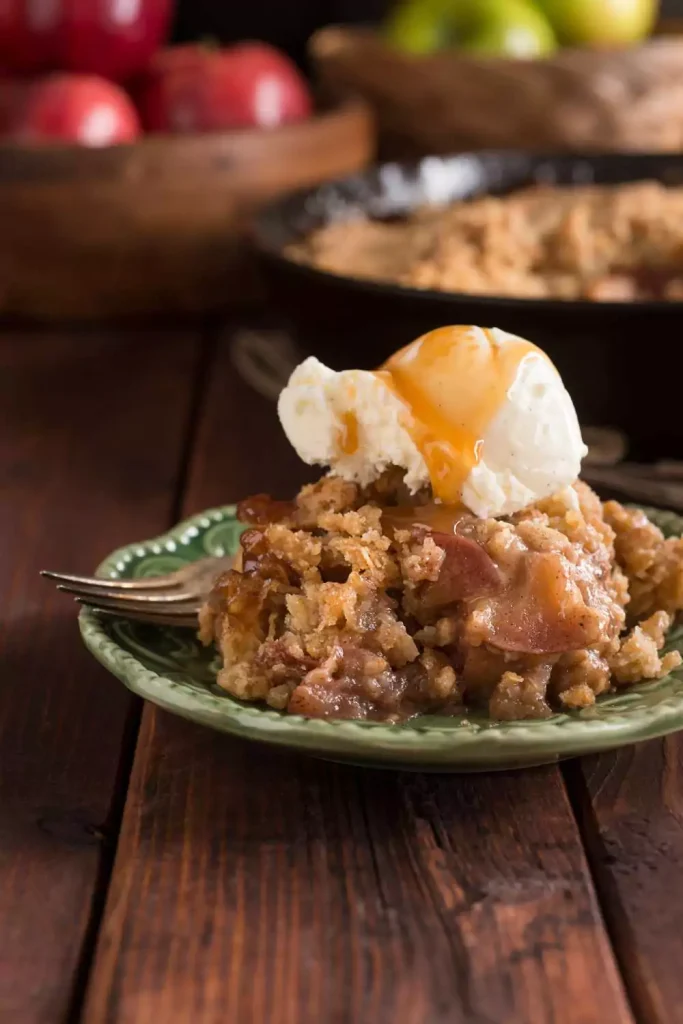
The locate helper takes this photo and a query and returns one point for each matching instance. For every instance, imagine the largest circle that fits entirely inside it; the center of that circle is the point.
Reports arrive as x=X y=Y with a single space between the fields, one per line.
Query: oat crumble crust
x=602 y=243
x=346 y=606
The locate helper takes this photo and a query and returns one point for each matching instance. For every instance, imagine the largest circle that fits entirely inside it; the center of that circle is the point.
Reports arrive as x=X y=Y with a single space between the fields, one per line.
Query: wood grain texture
x=251 y=885
x=89 y=458
x=256 y=886
x=630 y=805
x=451 y=101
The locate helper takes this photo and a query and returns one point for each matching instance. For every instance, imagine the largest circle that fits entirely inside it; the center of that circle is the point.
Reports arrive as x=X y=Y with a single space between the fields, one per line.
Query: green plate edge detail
x=171 y=669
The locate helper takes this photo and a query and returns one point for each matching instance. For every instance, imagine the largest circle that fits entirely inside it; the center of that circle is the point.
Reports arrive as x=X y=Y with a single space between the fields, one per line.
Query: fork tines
x=129 y=597
x=161 y=618
x=92 y=582
x=163 y=600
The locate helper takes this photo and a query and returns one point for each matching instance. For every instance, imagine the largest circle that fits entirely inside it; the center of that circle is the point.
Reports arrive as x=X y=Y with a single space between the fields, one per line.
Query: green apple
x=510 y=28
x=503 y=28
x=420 y=26
x=601 y=22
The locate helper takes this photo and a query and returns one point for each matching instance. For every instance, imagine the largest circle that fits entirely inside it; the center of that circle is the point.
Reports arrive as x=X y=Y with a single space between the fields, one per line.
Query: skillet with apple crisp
x=603 y=243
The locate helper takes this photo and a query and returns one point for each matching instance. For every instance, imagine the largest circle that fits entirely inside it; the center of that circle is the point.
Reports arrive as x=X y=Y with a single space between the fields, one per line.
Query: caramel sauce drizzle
x=348 y=440
x=452 y=383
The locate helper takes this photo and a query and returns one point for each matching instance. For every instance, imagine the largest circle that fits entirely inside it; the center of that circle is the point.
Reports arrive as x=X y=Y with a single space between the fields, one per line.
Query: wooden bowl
x=156 y=227
x=619 y=100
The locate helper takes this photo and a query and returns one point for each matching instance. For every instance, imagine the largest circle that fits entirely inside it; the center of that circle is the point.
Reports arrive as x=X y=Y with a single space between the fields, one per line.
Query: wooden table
x=153 y=871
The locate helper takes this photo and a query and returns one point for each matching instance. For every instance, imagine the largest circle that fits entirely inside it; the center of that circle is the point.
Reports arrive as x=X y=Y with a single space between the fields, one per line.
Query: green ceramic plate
x=170 y=668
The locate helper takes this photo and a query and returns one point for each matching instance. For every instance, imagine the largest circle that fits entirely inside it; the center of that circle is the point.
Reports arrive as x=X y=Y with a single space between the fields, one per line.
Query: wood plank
x=253 y=885
x=630 y=805
x=92 y=431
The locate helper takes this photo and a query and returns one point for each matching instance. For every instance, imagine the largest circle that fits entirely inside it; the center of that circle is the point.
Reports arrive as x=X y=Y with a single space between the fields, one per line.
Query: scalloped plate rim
x=462 y=747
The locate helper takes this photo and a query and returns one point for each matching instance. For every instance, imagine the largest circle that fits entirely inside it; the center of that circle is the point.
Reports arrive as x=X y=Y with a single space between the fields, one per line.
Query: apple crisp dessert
x=374 y=603
x=604 y=243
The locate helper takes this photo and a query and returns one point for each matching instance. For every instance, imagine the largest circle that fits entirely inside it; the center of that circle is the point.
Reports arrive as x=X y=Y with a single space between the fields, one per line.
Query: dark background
x=287 y=23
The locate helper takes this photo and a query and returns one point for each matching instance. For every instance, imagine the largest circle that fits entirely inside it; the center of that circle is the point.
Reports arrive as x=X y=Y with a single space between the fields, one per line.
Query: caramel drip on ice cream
x=452 y=383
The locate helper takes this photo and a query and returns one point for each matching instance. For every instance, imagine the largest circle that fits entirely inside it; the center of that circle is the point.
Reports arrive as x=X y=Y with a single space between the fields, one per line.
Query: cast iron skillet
x=620 y=361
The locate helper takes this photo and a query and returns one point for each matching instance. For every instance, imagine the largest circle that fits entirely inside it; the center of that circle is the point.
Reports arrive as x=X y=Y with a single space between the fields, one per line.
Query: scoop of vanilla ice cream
x=354 y=423
x=319 y=408
x=532 y=448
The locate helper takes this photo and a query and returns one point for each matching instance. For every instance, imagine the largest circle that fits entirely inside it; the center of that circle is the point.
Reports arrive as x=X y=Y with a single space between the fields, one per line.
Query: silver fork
x=170 y=600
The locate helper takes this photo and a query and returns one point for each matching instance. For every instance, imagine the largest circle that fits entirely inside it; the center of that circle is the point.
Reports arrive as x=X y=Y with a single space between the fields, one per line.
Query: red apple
x=74 y=108
x=113 y=38
x=199 y=89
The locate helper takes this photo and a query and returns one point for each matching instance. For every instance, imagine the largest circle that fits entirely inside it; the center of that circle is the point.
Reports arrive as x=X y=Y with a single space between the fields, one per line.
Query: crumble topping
x=350 y=604
x=614 y=243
